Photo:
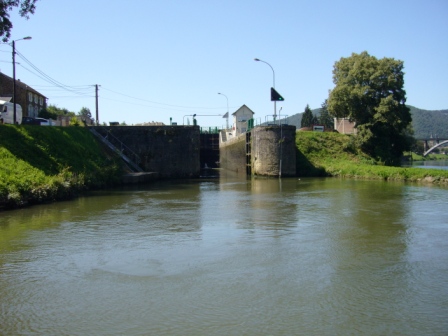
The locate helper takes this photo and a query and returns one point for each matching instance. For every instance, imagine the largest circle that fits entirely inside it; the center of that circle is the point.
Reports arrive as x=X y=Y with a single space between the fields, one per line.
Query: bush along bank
x=334 y=154
x=43 y=164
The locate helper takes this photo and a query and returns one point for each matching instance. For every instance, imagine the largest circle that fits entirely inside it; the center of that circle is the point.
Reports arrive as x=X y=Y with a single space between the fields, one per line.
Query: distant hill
x=425 y=123
x=429 y=123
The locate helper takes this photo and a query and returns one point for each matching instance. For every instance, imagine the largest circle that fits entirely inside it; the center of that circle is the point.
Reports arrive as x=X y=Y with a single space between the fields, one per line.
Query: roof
x=21 y=84
x=243 y=106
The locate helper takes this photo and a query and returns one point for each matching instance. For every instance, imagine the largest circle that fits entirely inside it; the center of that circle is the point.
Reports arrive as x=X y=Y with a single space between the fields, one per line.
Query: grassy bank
x=40 y=164
x=332 y=154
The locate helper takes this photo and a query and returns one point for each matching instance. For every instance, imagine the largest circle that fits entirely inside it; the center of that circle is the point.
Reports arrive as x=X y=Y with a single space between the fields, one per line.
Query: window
x=30 y=96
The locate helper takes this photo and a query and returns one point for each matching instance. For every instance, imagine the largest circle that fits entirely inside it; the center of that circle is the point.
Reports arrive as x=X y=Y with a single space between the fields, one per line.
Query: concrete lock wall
x=270 y=147
x=232 y=154
x=273 y=151
x=170 y=151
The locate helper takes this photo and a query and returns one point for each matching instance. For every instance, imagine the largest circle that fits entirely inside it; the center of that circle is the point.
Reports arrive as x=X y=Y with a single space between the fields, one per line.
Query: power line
x=47 y=78
x=153 y=102
x=83 y=90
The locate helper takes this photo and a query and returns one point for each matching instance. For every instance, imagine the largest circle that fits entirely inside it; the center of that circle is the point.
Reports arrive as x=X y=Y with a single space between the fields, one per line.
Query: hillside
x=40 y=164
x=424 y=122
x=332 y=154
x=429 y=123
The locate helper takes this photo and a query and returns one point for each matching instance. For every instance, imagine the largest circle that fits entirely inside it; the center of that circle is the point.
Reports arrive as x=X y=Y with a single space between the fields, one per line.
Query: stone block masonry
x=170 y=151
x=272 y=151
x=232 y=154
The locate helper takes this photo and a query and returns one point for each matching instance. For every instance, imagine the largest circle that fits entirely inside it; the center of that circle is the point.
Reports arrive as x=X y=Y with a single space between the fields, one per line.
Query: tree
x=325 y=119
x=369 y=92
x=307 y=117
x=85 y=114
x=27 y=7
x=52 y=112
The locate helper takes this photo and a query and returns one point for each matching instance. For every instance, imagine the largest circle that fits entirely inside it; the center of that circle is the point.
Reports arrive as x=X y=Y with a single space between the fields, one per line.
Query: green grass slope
x=332 y=154
x=40 y=164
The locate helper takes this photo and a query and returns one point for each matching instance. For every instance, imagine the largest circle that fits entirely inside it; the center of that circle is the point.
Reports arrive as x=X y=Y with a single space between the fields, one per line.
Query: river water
x=431 y=164
x=230 y=256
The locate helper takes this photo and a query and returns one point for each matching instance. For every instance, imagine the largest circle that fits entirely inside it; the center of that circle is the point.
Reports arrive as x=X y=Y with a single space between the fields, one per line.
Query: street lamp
x=227 y=114
x=14 y=74
x=273 y=85
x=188 y=115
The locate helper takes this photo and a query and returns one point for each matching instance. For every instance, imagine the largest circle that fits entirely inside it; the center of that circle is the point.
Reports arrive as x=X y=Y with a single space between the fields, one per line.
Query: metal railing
x=129 y=154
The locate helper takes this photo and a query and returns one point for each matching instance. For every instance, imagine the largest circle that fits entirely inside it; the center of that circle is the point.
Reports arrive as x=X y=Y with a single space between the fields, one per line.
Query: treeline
x=428 y=124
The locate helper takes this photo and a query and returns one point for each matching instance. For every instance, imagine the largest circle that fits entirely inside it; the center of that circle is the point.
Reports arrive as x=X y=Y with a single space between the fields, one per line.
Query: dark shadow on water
x=209 y=173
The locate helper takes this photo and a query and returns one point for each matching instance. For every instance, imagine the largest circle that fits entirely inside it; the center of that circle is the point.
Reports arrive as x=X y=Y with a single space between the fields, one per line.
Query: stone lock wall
x=170 y=151
x=273 y=151
x=232 y=154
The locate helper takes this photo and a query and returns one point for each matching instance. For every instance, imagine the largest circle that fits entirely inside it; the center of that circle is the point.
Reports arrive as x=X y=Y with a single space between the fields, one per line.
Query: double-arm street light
x=14 y=74
x=227 y=114
x=273 y=84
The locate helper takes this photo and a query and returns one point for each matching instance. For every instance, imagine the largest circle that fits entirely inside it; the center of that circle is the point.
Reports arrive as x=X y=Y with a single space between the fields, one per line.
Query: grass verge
x=41 y=164
x=333 y=154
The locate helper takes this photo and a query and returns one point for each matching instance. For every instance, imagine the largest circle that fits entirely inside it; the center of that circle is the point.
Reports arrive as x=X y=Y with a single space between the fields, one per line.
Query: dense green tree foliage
x=325 y=119
x=308 y=118
x=369 y=91
x=429 y=124
x=27 y=7
x=52 y=112
x=85 y=114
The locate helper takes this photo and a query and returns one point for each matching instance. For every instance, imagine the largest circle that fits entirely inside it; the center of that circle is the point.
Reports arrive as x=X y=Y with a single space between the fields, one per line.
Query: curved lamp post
x=227 y=121
x=14 y=74
x=273 y=84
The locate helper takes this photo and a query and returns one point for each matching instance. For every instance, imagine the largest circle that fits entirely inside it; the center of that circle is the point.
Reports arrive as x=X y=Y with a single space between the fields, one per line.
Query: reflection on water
x=436 y=164
x=230 y=255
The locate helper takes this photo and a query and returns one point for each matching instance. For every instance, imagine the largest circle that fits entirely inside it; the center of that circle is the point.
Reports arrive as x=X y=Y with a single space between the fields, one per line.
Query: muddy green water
x=230 y=256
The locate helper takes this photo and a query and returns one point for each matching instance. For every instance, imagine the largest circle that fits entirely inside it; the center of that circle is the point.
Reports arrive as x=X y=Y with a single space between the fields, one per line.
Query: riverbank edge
x=333 y=155
x=318 y=155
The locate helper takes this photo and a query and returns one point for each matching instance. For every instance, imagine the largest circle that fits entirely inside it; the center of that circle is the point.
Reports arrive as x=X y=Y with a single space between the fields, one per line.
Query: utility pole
x=14 y=80
x=14 y=76
x=96 y=104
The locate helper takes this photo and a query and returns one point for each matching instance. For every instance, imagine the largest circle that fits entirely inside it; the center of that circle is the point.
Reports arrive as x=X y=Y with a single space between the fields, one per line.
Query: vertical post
x=227 y=118
x=96 y=104
x=273 y=75
x=14 y=80
x=275 y=109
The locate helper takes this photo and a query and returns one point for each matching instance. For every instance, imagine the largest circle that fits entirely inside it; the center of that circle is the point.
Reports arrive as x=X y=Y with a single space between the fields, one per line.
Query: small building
x=29 y=99
x=240 y=119
x=344 y=126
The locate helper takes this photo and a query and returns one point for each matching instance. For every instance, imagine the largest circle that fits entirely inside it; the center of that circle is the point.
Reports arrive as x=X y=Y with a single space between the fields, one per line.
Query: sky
x=164 y=61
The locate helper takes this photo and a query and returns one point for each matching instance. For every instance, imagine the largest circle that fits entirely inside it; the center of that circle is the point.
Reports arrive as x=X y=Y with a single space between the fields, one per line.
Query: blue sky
x=156 y=60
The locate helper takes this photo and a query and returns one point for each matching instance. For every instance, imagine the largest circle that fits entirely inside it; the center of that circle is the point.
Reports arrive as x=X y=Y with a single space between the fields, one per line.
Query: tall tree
x=85 y=114
x=27 y=7
x=369 y=91
x=325 y=119
x=307 y=117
